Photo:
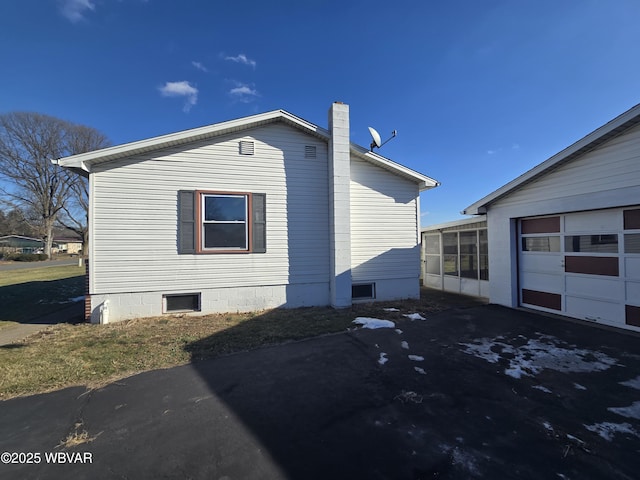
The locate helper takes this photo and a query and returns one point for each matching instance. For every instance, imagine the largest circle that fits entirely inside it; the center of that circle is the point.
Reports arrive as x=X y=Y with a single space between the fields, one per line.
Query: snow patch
x=416 y=358
x=413 y=316
x=405 y=345
x=382 y=359
x=420 y=370
x=398 y=331
x=391 y=310
x=373 y=323
x=544 y=352
x=632 y=411
x=542 y=388
x=633 y=383
x=77 y=299
x=548 y=426
x=579 y=387
x=608 y=430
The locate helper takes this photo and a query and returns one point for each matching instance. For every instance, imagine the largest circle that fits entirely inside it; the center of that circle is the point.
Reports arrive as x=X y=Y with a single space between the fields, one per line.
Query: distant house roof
x=612 y=129
x=471 y=222
x=18 y=241
x=83 y=163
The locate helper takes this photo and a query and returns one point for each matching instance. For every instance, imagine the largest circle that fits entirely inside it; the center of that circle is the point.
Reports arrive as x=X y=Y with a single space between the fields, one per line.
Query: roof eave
x=85 y=161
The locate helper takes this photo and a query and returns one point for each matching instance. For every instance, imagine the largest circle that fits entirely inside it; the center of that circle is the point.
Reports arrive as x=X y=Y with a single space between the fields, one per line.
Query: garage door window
x=541 y=244
x=591 y=243
x=632 y=243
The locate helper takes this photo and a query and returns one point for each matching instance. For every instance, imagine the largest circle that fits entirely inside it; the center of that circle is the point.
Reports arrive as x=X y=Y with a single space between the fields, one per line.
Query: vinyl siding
x=134 y=214
x=606 y=175
x=384 y=229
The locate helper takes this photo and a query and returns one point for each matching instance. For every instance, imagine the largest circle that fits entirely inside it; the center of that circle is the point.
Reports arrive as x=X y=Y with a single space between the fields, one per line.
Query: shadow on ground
x=412 y=402
x=33 y=302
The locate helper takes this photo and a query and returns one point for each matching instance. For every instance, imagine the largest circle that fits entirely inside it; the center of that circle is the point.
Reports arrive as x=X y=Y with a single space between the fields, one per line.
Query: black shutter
x=259 y=224
x=186 y=221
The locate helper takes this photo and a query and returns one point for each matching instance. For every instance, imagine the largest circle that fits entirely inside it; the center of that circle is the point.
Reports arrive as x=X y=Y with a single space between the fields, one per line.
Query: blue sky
x=479 y=90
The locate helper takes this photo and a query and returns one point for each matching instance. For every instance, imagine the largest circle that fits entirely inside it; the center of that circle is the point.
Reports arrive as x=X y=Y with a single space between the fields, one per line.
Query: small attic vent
x=246 y=147
x=310 y=151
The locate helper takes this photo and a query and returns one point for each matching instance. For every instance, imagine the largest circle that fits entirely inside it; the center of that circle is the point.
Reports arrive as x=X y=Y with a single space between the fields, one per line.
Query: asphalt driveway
x=480 y=392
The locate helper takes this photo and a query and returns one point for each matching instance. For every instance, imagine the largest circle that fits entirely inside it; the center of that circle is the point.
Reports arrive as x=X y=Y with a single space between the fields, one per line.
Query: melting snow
x=405 y=345
x=398 y=331
x=372 y=323
x=391 y=310
x=420 y=370
x=414 y=316
x=383 y=358
x=542 y=388
x=633 y=383
x=416 y=358
x=579 y=387
x=77 y=299
x=632 y=411
x=548 y=426
x=607 y=430
x=537 y=354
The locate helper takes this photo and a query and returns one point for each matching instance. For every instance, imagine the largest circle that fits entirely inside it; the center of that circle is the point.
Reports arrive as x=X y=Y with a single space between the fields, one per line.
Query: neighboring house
x=68 y=245
x=259 y=212
x=455 y=256
x=565 y=236
x=20 y=244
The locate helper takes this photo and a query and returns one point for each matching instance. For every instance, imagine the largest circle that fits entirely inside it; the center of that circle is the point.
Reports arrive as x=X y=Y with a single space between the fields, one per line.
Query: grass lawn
x=33 y=292
x=84 y=354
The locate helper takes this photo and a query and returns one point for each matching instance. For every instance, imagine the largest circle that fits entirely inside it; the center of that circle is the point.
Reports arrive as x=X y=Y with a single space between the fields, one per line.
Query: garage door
x=584 y=265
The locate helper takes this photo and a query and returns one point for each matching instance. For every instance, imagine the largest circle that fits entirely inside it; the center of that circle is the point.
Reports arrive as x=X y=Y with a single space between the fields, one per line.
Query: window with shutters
x=221 y=222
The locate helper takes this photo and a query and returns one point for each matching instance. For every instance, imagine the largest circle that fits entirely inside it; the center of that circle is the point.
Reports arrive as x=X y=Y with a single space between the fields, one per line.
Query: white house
x=259 y=212
x=565 y=236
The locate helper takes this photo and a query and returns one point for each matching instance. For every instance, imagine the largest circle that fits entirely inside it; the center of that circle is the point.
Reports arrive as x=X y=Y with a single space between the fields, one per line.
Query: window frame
x=200 y=222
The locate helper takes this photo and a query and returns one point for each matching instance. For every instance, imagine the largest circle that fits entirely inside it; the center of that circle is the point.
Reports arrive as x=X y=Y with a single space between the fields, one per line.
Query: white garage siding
x=130 y=193
x=383 y=213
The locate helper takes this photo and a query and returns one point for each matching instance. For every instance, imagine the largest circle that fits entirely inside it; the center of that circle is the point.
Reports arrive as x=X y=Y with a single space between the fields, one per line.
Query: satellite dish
x=377 y=142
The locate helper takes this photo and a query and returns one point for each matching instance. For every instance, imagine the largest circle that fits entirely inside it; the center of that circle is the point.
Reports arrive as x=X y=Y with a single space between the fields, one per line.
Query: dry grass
x=65 y=355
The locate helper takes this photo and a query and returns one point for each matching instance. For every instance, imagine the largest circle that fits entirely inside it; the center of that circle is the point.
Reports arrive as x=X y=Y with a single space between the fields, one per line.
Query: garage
x=564 y=237
x=583 y=265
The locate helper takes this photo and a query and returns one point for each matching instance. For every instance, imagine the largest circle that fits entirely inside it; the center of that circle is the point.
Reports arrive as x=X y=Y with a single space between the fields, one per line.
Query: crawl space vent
x=246 y=147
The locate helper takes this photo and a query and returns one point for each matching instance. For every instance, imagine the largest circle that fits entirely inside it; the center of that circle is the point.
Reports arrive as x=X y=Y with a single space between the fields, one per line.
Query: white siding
x=606 y=177
x=134 y=224
x=384 y=228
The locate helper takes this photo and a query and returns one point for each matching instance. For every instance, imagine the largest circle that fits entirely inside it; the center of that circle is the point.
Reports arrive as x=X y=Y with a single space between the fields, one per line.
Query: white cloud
x=242 y=58
x=181 y=89
x=199 y=66
x=243 y=93
x=74 y=10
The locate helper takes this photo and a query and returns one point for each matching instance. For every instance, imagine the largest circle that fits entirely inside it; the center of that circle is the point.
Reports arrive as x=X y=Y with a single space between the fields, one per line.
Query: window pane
x=227 y=208
x=484 y=267
x=632 y=243
x=450 y=243
x=483 y=241
x=541 y=244
x=451 y=265
x=433 y=264
x=432 y=244
x=225 y=235
x=591 y=243
x=468 y=242
x=469 y=266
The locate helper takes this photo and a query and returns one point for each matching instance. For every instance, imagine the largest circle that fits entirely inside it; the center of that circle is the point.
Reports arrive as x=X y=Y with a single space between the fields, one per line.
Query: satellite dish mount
x=376 y=141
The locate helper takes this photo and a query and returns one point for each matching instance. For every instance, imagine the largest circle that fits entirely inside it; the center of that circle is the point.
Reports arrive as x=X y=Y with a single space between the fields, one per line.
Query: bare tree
x=28 y=143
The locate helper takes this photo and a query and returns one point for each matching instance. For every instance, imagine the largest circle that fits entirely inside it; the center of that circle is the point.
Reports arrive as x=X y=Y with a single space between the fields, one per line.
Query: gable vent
x=310 y=151
x=246 y=147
